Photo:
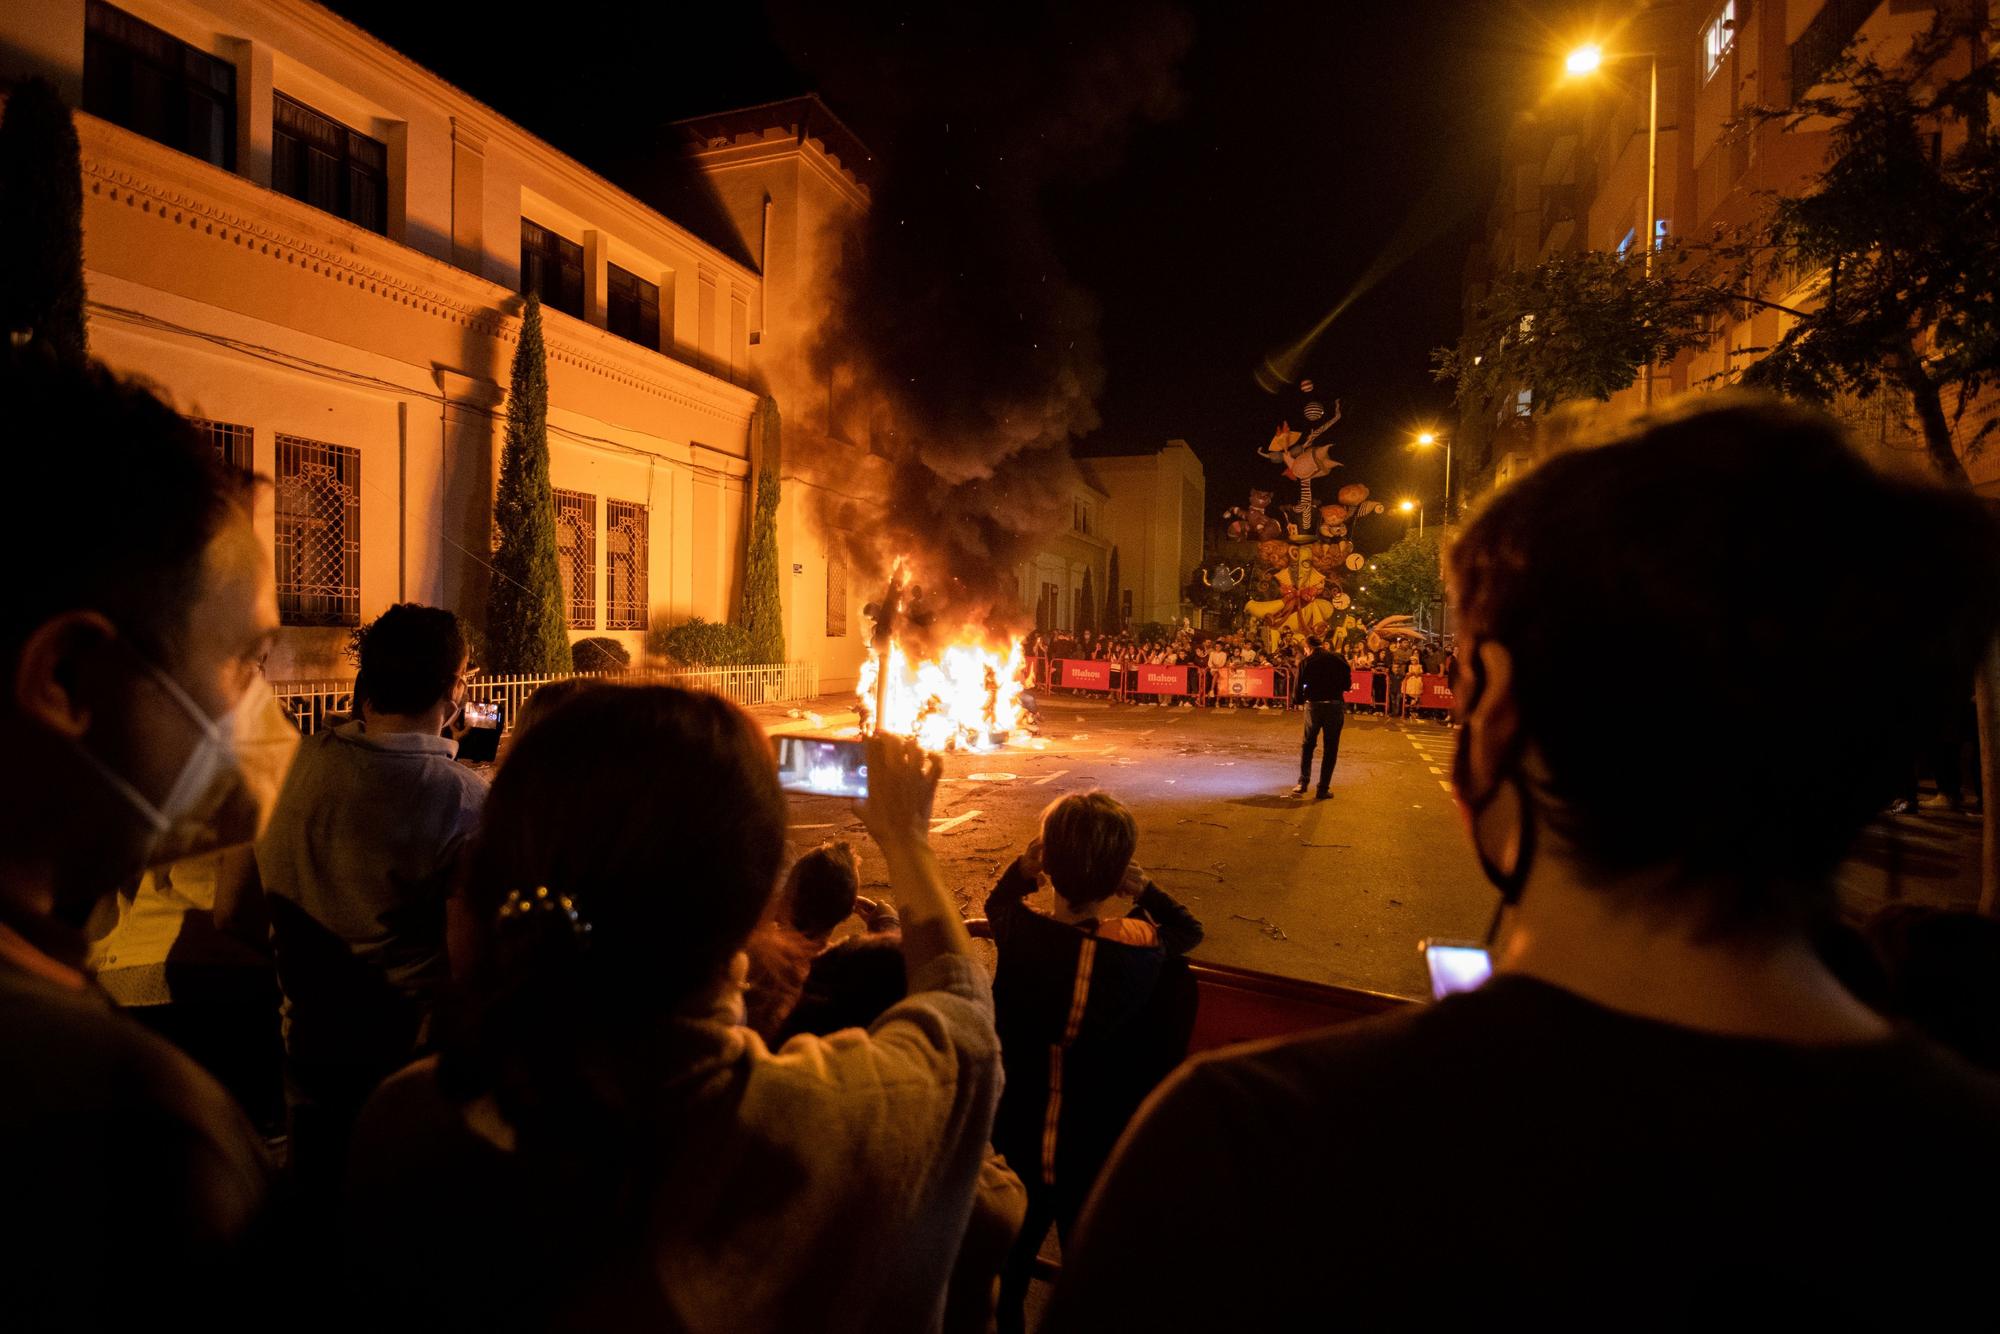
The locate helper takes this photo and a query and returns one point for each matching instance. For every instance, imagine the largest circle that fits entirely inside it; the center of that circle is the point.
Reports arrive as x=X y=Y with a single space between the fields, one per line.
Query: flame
x=966 y=698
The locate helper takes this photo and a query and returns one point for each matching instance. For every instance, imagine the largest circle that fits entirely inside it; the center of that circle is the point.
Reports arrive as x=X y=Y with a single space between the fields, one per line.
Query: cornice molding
x=120 y=167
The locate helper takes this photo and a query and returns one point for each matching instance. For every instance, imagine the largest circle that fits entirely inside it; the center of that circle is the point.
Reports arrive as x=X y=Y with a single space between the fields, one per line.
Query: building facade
x=1575 y=171
x=1147 y=508
x=318 y=249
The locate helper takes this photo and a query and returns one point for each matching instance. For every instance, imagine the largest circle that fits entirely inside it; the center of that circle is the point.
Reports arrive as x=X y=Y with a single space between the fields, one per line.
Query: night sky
x=1310 y=144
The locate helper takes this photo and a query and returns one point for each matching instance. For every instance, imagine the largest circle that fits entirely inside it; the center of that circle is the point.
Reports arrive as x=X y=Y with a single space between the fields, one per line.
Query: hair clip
x=540 y=904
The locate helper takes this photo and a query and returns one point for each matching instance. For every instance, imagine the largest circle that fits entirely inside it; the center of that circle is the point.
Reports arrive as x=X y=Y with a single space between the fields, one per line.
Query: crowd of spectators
x=586 y=1047
x=1398 y=662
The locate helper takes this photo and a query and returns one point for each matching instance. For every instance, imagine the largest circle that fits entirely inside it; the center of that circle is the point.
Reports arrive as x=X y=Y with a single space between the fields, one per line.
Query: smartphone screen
x=821 y=767
x=1455 y=966
x=481 y=715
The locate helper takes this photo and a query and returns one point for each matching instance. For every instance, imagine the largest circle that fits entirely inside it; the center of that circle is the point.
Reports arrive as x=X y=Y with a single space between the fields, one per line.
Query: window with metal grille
x=836 y=594
x=232 y=443
x=319 y=533
x=551 y=268
x=624 y=565
x=576 y=556
x=631 y=306
x=154 y=84
x=316 y=158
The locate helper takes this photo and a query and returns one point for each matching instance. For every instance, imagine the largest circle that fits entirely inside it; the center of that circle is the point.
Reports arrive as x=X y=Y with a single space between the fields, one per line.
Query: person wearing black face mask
x=1664 y=1106
x=136 y=729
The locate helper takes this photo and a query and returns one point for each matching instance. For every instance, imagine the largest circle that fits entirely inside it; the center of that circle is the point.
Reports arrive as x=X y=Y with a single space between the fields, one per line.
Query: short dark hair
x=1720 y=535
x=156 y=494
x=1088 y=839
x=410 y=656
x=821 y=887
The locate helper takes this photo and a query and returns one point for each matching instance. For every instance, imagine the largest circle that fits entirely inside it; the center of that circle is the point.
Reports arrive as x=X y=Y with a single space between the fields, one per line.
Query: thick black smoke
x=967 y=356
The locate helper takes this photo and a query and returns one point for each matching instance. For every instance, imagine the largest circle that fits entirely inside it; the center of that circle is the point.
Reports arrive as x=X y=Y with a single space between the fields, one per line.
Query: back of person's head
x=1715 y=558
x=1941 y=973
x=411 y=656
x=1087 y=842
x=650 y=820
x=850 y=985
x=547 y=698
x=156 y=495
x=820 y=889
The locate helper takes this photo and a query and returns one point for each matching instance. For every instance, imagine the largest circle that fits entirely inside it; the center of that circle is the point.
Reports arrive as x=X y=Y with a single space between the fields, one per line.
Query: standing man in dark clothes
x=1324 y=681
x=1093 y=1009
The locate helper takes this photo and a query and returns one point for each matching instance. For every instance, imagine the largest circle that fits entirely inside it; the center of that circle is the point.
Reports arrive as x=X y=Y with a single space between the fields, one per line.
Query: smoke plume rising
x=965 y=356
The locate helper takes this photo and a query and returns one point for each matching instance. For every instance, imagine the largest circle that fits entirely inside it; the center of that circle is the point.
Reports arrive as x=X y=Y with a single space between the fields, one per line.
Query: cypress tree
x=527 y=622
x=41 y=221
x=1114 y=611
x=1086 y=605
x=758 y=609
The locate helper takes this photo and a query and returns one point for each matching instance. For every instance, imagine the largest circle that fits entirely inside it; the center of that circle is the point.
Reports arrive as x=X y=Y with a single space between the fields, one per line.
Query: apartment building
x=1576 y=167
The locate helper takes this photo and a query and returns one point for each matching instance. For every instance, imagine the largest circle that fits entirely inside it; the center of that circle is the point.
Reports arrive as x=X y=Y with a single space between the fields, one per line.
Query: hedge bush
x=599 y=654
x=697 y=642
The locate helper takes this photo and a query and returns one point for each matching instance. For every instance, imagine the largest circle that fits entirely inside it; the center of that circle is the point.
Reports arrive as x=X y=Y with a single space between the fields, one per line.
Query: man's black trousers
x=1320 y=718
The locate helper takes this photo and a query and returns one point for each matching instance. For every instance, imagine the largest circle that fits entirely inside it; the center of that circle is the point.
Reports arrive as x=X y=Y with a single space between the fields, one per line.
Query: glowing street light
x=1425 y=440
x=1584 y=60
x=1418 y=506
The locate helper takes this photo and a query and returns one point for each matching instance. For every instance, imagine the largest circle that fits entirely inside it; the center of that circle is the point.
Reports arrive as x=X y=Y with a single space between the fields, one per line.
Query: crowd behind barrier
x=1235 y=671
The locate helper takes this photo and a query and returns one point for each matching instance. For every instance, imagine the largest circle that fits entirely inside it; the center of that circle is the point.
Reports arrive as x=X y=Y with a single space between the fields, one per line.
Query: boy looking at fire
x=1094 y=1006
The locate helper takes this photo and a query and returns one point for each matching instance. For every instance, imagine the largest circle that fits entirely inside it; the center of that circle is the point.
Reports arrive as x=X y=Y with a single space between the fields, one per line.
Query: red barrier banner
x=1247 y=682
x=1363 y=689
x=1147 y=678
x=1083 y=674
x=1437 y=693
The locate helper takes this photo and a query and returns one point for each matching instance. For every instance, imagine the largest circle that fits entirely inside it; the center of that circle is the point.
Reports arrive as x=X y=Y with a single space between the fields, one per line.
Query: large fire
x=968 y=697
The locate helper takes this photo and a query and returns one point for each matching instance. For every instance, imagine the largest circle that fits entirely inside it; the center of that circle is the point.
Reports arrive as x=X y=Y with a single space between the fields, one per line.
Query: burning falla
x=949 y=692
x=966 y=697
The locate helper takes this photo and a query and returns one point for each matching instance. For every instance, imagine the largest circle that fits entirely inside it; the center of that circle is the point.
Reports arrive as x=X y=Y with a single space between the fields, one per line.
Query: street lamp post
x=1426 y=439
x=1585 y=60
x=1418 y=506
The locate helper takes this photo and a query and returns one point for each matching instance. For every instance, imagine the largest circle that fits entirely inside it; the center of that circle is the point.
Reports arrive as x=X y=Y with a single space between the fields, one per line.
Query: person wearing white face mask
x=136 y=728
x=358 y=866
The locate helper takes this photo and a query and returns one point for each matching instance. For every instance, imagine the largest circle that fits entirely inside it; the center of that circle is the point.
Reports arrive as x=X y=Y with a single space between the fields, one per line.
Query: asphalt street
x=1333 y=891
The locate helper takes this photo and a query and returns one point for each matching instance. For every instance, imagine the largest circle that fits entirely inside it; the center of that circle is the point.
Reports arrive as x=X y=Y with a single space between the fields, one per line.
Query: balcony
x=1821 y=44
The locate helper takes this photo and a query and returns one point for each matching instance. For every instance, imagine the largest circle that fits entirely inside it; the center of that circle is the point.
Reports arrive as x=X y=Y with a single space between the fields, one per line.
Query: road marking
x=812 y=826
x=1049 y=778
x=1446 y=786
x=1436 y=770
x=1107 y=750
x=946 y=826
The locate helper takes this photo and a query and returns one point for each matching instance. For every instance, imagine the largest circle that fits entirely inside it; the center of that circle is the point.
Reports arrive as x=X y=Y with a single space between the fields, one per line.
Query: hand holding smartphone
x=814 y=766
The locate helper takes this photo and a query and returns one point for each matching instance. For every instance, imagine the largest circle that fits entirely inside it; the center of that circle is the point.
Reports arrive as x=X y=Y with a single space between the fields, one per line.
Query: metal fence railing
x=312 y=703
